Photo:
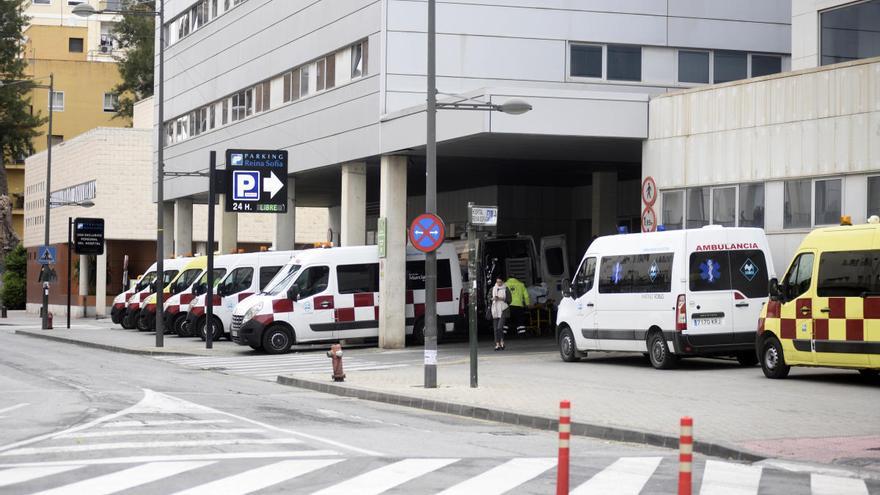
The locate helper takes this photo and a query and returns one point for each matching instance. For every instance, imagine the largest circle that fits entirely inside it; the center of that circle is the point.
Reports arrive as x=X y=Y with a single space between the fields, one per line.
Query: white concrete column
x=183 y=227
x=335 y=223
x=604 y=203
x=285 y=225
x=83 y=283
x=168 y=215
x=101 y=284
x=227 y=231
x=392 y=268
x=354 y=204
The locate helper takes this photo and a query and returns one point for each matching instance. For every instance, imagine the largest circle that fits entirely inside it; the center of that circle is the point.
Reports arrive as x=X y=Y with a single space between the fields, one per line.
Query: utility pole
x=431 y=204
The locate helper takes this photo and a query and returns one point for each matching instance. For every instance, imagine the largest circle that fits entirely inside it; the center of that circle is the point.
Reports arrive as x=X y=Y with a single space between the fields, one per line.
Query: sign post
x=426 y=233
x=486 y=216
x=209 y=295
x=256 y=181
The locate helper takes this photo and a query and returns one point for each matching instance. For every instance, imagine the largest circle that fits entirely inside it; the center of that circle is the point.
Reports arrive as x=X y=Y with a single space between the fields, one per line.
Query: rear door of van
x=710 y=320
x=751 y=267
x=554 y=264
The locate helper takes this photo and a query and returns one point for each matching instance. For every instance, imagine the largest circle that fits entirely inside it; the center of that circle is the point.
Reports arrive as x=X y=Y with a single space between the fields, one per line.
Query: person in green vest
x=519 y=301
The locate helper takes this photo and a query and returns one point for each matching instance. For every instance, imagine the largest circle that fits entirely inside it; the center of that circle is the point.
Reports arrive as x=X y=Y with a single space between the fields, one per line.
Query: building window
x=291 y=86
x=764 y=65
x=238 y=106
x=42 y=2
x=320 y=67
x=697 y=207
x=724 y=206
x=75 y=45
x=262 y=96
x=624 y=63
x=57 y=101
x=304 y=80
x=730 y=66
x=586 y=61
x=359 y=60
x=224 y=111
x=57 y=139
x=673 y=210
x=693 y=67
x=796 y=213
x=751 y=205
x=829 y=194
x=874 y=196
x=111 y=102
x=851 y=32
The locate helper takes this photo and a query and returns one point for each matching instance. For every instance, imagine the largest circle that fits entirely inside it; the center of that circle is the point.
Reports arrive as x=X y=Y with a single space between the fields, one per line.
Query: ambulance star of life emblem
x=749 y=270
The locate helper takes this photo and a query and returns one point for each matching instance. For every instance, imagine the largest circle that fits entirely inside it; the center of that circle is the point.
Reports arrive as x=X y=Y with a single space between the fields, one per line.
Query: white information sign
x=484 y=215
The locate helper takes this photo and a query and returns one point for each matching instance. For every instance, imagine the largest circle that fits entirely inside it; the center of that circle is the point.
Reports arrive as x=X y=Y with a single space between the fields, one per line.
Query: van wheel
x=217 y=328
x=129 y=322
x=418 y=335
x=277 y=340
x=567 y=348
x=143 y=322
x=659 y=354
x=773 y=360
x=747 y=358
x=178 y=324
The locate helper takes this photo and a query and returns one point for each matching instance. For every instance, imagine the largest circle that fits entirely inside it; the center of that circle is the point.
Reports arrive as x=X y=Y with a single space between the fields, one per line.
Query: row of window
x=195 y=17
x=318 y=75
x=850 y=32
x=806 y=203
x=109 y=103
x=624 y=63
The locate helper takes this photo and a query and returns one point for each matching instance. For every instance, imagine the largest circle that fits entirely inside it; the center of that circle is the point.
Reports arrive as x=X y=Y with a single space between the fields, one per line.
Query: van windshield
x=218 y=276
x=281 y=281
x=742 y=270
x=145 y=281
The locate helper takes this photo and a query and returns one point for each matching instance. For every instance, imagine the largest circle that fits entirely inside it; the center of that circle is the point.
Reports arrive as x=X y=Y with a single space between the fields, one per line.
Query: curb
x=529 y=421
x=106 y=347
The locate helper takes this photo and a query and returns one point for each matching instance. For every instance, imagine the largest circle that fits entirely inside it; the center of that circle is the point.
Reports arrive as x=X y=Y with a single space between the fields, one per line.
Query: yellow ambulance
x=826 y=309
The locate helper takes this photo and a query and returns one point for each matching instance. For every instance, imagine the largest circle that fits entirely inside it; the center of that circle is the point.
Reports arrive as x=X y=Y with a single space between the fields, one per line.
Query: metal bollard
x=564 y=439
x=685 y=456
x=335 y=353
x=3 y=312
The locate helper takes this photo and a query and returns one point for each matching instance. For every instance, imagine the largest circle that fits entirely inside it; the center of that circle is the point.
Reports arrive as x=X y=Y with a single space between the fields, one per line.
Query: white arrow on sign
x=272 y=184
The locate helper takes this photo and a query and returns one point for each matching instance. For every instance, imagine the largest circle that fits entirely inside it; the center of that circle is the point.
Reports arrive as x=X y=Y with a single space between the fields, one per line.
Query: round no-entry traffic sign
x=649 y=191
x=426 y=233
x=649 y=220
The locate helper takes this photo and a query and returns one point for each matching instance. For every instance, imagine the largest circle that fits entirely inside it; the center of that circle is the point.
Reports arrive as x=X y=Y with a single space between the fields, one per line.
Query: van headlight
x=250 y=313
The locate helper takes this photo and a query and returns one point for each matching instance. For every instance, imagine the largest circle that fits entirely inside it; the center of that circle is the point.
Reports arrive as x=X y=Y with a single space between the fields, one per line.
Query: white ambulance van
x=170 y=269
x=117 y=312
x=247 y=275
x=185 y=328
x=668 y=294
x=331 y=294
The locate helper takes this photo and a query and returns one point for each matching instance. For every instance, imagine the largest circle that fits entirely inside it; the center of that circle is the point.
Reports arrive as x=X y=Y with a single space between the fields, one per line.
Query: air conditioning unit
x=106 y=48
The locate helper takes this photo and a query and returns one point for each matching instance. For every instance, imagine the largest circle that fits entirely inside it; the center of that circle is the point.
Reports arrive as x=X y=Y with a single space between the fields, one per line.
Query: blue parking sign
x=256 y=181
x=246 y=185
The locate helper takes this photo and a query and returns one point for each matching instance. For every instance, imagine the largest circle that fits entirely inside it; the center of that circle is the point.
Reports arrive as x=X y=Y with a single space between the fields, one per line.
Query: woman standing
x=500 y=302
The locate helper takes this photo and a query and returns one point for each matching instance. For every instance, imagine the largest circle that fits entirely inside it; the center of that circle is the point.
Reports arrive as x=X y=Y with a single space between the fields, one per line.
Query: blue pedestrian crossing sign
x=46 y=255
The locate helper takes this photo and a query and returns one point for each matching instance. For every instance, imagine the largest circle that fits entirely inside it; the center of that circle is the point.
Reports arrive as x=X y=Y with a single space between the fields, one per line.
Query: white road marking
x=281 y=454
x=126 y=479
x=63 y=449
x=725 y=478
x=22 y=474
x=626 y=476
x=834 y=485
x=503 y=478
x=259 y=478
x=12 y=408
x=131 y=424
x=386 y=477
x=148 y=431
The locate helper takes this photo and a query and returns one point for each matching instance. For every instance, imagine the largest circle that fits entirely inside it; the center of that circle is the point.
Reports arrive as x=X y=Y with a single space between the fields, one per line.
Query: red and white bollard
x=685 y=455
x=564 y=438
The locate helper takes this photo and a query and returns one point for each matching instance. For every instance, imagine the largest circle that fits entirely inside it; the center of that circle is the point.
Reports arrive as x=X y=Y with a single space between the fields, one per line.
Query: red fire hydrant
x=335 y=353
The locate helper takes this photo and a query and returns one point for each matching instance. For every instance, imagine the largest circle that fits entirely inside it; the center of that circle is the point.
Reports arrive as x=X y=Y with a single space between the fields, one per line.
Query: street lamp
x=86 y=10
x=513 y=107
x=44 y=272
x=82 y=204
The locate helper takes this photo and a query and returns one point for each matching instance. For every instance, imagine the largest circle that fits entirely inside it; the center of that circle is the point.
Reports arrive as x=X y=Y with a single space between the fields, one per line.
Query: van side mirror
x=293 y=293
x=566 y=288
x=775 y=291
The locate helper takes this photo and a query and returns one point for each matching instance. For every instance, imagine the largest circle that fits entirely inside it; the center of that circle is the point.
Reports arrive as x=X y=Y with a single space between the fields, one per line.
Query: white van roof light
x=874 y=219
x=714 y=227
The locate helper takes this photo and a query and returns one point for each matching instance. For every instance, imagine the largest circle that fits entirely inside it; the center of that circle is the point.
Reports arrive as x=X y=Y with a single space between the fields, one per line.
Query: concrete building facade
x=340 y=84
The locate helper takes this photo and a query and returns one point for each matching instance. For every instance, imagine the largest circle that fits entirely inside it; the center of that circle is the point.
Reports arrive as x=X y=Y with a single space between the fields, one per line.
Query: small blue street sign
x=246 y=185
x=46 y=255
x=427 y=232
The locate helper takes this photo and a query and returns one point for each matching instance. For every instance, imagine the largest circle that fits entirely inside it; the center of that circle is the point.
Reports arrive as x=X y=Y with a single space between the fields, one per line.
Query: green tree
x=18 y=125
x=13 y=292
x=135 y=35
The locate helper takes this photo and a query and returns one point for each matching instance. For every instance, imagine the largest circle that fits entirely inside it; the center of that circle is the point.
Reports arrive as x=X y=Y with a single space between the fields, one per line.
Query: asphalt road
x=79 y=420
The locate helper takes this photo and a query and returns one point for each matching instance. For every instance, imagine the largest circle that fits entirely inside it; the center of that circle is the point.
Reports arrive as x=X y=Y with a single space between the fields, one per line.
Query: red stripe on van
x=409 y=297
x=320 y=300
x=244 y=295
x=376 y=312
x=282 y=306
x=872 y=307
x=186 y=298
x=418 y=310
x=773 y=309
x=787 y=328
x=804 y=303
x=837 y=307
x=444 y=295
x=820 y=329
x=855 y=330
x=363 y=300
x=344 y=314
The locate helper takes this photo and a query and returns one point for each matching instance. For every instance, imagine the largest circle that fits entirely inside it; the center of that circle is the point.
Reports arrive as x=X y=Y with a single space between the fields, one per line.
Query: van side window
x=848 y=273
x=415 y=274
x=313 y=280
x=267 y=273
x=636 y=273
x=240 y=279
x=799 y=276
x=585 y=277
x=353 y=279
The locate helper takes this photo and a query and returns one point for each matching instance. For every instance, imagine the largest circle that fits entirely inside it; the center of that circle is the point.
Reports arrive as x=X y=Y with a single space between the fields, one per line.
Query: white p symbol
x=247 y=187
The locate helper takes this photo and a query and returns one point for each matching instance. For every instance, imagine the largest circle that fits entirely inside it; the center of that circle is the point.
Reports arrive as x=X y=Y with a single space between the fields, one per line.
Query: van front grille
x=236 y=322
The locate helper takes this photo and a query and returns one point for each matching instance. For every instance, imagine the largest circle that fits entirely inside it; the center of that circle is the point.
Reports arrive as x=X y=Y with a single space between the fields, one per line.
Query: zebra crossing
x=335 y=475
x=268 y=367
